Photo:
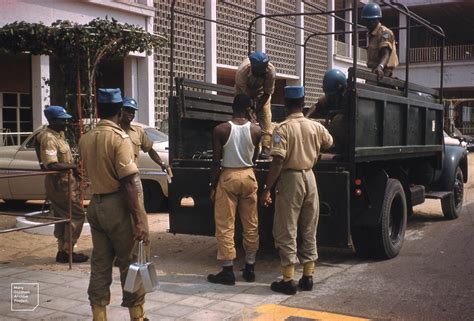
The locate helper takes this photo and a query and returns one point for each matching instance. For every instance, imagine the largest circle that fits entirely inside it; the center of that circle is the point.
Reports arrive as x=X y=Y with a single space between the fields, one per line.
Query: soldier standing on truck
x=54 y=153
x=256 y=78
x=381 y=53
x=296 y=147
x=333 y=107
x=234 y=188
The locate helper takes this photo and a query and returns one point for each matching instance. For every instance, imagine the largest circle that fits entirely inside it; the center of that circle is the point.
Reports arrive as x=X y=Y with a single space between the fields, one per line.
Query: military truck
x=395 y=159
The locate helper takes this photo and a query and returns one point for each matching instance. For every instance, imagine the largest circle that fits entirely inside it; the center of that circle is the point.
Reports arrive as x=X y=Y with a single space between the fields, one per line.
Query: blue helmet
x=130 y=103
x=333 y=80
x=258 y=59
x=56 y=112
x=371 y=11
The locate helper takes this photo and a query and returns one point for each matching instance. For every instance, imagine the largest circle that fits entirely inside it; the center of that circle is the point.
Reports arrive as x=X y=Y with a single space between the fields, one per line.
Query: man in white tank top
x=234 y=188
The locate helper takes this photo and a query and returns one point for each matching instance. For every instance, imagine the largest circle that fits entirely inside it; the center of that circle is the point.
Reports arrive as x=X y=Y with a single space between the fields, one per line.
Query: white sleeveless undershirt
x=238 y=150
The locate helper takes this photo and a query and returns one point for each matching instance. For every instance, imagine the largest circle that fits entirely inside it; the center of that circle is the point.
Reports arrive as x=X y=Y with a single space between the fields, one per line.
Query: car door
x=29 y=187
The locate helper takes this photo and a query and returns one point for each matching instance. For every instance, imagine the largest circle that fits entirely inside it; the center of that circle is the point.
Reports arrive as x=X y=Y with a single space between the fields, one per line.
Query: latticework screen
x=281 y=33
x=233 y=17
x=316 y=50
x=189 y=49
x=232 y=37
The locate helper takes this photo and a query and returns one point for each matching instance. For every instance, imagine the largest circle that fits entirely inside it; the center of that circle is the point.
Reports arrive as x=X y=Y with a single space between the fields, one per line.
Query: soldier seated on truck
x=333 y=108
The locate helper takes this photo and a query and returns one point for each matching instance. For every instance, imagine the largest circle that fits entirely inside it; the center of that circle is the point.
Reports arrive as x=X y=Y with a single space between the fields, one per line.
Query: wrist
x=381 y=66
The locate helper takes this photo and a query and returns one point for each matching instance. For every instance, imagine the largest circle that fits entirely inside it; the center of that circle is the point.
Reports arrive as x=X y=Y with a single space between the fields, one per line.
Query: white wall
x=456 y=74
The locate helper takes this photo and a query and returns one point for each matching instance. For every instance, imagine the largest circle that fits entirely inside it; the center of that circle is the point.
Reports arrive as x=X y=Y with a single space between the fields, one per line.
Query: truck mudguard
x=374 y=184
x=454 y=156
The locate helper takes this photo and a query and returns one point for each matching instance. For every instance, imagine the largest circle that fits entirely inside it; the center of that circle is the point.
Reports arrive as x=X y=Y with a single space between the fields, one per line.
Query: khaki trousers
x=236 y=191
x=264 y=118
x=141 y=205
x=112 y=236
x=57 y=187
x=296 y=208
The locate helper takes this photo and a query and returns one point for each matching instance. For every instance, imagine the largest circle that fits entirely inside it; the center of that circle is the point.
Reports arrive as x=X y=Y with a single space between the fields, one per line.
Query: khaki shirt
x=139 y=140
x=379 y=38
x=247 y=83
x=299 y=140
x=107 y=155
x=53 y=147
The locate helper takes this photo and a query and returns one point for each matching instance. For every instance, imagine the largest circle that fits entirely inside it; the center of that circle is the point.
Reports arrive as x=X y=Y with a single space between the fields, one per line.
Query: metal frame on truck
x=395 y=157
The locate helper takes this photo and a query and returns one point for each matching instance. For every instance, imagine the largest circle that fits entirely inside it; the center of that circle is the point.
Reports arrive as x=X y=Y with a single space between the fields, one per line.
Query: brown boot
x=99 y=313
x=137 y=313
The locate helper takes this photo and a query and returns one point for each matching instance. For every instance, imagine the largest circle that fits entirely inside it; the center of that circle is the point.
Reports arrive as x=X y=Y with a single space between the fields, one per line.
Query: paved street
x=430 y=280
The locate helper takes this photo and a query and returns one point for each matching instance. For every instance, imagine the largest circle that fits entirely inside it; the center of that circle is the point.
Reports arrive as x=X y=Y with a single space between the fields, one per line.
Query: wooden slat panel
x=191 y=114
x=208 y=97
x=207 y=86
x=191 y=104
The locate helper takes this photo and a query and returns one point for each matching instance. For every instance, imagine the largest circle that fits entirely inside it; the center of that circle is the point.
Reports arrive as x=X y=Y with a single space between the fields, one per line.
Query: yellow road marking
x=274 y=312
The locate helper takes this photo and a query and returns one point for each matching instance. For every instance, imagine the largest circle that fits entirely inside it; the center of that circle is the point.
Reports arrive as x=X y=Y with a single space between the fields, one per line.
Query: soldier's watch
x=381 y=66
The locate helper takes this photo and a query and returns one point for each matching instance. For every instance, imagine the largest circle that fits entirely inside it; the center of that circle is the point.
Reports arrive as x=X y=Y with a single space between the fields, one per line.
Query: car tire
x=452 y=205
x=153 y=196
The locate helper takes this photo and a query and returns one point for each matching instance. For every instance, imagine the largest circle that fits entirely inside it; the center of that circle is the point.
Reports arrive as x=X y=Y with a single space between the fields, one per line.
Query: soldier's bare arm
x=131 y=196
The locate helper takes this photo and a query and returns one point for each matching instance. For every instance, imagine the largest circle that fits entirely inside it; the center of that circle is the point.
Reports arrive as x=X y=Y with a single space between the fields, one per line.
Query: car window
x=31 y=141
x=155 y=135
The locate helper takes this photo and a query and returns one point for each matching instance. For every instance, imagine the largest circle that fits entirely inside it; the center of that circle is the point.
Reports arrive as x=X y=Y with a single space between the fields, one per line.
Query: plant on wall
x=78 y=49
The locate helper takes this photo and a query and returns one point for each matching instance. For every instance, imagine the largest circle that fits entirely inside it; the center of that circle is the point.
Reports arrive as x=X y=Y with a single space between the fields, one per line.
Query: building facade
x=211 y=41
x=24 y=89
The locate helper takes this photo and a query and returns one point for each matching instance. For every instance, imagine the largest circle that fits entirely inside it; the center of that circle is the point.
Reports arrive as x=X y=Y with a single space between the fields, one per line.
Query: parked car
x=469 y=140
x=155 y=184
x=448 y=140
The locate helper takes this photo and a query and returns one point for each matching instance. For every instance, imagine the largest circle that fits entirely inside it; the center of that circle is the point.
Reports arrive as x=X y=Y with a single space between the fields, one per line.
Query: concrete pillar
x=299 y=41
x=348 y=27
x=211 y=41
x=331 y=27
x=39 y=91
x=402 y=38
x=146 y=90
x=260 y=24
x=130 y=75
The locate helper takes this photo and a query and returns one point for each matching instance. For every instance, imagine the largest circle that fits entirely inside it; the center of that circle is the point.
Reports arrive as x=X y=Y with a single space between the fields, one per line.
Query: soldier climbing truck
x=395 y=158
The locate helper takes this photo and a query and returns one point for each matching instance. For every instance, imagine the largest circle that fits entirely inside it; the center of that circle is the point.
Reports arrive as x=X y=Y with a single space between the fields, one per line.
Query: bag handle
x=141 y=253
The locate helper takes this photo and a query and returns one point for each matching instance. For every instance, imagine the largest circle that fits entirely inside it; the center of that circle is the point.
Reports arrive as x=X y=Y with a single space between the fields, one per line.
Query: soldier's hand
x=140 y=233
x=379 y=71
x=266 y=198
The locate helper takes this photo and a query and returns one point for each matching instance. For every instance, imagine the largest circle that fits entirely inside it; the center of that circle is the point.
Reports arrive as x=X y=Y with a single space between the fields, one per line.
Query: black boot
x=287 y=287
x=306 y=283
x=226 y=276
x=248 y=273
x=63 y=257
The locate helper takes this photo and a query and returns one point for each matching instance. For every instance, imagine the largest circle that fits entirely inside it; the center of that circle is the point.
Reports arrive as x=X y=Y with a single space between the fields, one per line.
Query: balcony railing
x=451 y=53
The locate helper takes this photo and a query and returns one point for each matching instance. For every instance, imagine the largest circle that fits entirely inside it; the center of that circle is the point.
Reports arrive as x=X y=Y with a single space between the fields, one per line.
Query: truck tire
x=452 y=205
x=153 y=196
x=390 y=233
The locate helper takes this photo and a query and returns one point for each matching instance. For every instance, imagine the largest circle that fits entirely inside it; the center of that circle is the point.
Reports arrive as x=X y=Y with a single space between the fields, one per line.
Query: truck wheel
x=390 y=233
x=452 y=205
x=153 y=196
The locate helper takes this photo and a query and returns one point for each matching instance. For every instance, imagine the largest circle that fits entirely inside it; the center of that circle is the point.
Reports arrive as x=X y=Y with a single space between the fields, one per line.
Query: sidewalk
x=63 y=296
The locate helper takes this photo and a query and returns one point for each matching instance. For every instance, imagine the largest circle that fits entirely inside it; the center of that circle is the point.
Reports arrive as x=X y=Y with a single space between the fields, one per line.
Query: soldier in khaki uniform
x=54 y=154
x=256 y=78
x=141 y=141
x=381 y=53
x=297 y=142
x=113 y=213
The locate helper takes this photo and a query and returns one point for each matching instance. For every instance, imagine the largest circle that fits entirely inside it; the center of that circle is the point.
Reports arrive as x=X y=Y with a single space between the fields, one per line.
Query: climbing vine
x=78 y=50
